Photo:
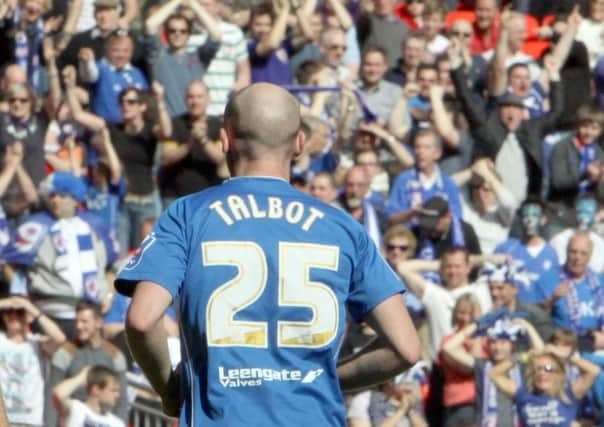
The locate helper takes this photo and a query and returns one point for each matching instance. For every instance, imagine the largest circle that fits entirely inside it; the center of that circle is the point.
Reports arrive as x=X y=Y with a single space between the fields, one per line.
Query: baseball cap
x=510 y=99
x=432 y=211
x=66 y=183
x=100 y=4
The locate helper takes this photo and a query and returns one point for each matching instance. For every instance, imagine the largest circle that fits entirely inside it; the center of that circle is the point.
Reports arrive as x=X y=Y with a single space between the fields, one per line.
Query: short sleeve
x=373 y=280
x=162 y=256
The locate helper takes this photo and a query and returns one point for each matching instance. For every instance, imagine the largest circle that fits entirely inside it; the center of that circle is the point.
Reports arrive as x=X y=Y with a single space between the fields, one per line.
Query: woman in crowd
x=547 y=398
x=459 y=391
x=492 y=406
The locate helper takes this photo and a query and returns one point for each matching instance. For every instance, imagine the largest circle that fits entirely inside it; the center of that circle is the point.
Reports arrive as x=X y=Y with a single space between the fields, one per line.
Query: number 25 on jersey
x=295 y=290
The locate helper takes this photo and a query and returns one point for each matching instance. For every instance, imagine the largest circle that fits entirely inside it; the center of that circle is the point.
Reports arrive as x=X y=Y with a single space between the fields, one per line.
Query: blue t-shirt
x=107 y=203
x=561 y=313
x=545 y=411
x=110 y=83
x=272 y=68
x=407 y=191
x=536 y=267
x=263 y=273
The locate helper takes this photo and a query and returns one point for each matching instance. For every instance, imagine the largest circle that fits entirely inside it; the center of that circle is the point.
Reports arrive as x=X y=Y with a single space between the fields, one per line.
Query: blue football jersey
x=264 y=274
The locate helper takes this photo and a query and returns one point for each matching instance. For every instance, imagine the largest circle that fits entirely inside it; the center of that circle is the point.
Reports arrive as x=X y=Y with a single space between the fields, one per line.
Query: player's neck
x=268 y=168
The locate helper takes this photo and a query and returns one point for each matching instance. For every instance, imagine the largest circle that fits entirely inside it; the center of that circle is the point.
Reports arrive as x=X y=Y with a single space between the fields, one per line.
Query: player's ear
x=224 y=137
x=300 y=143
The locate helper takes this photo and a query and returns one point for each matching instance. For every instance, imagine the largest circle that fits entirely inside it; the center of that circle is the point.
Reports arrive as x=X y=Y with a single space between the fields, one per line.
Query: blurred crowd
x=466 y=136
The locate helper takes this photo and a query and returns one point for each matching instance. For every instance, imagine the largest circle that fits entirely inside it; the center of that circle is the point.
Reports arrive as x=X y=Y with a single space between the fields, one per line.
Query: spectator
x=332 y=44
x=369 y=159
x=102 y=392
x=229 y=70
x=490 y=208
x=591 y=29
x=111 y=75
x=269 y=49
x=454 y=272
x=323 y=187
x=574 y=294
x=586 y=208
x=22 y=356
x=447 y=120
x=172 y=65
x=492 y=406
x=11 y=74
x=136 y=140
x=192 y=159
x=486 y=26
x=382 y=28
x=88 y=348
x=317 y=155
x=106 y=185
x=419 y=104
x=514 y=144
x=414 y=187
x=546 y=396
x=531 y=252
x=23 y=123
x=353 y=200
x=380 y=94
x=475 y=66
x=411 y=13
x=107 y=23
x=395 y=403
x=433 y=19
x=438 y=229
x=577 y=165
x=505 y=281
x=22 y=32
x=459 y=390
x=414 y=52
x=82 y=13
x=62 y=252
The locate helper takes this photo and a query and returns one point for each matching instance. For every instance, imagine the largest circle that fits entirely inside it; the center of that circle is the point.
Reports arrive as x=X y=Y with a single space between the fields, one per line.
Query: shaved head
x=262 y=120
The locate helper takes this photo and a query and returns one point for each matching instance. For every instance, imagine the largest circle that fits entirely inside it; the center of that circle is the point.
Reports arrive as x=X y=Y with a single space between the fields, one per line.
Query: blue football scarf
x=22 y=52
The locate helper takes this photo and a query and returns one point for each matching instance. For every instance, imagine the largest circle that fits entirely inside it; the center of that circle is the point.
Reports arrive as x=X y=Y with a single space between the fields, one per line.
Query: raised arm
x=394 y=145
x=443 y=123
x=164 y=122
x=53 y=335
x=159 y=16
x=88 y=70
x=54 y=82
x=454 y=352
x=399 y=121
x=62 y=392
x=341 y=13
x=86 y=119
x=499 y=375
x=410 y=271
x=207 y=21
x=275 y=37
x=589 y=374
x=498 y=74
x=130 y=12
x=397 y=350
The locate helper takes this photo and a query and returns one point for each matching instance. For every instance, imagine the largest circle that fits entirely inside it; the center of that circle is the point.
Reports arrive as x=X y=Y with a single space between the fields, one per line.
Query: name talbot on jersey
x=254 y=377
x=238 y=208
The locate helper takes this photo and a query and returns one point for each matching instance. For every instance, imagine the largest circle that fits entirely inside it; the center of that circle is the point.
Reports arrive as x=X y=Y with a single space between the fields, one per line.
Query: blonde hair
x=469 y=299
x=530 y=374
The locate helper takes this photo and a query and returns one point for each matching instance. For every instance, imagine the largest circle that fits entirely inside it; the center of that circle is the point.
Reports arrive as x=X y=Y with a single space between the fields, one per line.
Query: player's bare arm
x=396 y=350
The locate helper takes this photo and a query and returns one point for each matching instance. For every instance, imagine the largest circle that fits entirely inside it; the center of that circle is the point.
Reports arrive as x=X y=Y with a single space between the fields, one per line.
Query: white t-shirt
x=560 y=241
x=81 y=415
x=21 y=380
x=439 y=303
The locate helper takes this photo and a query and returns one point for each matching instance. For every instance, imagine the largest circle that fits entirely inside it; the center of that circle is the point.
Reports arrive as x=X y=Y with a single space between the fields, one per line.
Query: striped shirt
x=222 y=71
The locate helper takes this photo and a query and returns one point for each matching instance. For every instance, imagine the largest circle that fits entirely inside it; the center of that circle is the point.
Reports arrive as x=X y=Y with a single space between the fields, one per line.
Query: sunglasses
x=403 y=248
x=177 y=31
x=131 y=101
x=461 y=35
x=19 y=100
x=548 y=367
